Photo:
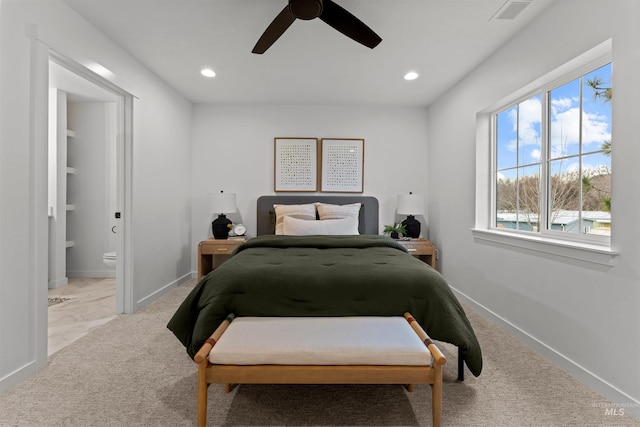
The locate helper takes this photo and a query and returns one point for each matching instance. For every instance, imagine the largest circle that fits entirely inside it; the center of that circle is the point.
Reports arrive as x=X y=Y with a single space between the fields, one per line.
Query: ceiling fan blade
x=274 y=30
x=343 y=21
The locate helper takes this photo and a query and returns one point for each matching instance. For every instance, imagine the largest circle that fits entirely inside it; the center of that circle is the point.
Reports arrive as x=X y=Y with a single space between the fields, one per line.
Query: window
x=552 y=159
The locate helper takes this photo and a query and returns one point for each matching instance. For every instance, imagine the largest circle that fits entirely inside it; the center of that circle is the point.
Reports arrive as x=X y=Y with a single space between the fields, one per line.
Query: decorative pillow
x=307 y=211
x=301 y=227
x=327 y=211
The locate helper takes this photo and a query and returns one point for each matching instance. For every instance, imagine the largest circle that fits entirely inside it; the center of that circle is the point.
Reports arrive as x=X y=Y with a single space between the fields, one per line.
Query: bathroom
x=82 y=202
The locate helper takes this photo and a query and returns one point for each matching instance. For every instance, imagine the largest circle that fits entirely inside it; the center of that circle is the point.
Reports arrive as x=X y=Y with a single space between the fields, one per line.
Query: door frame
x=124 y=167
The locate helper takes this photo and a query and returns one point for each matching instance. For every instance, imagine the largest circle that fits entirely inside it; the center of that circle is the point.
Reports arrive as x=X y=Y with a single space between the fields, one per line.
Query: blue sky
x=519 y=129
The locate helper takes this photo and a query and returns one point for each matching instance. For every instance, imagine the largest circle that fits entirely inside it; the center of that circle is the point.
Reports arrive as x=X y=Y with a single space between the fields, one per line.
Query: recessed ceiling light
x=411 y=75
x=208 y=72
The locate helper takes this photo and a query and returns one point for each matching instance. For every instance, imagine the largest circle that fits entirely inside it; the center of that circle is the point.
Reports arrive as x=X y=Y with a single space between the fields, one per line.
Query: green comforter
x=325 y=276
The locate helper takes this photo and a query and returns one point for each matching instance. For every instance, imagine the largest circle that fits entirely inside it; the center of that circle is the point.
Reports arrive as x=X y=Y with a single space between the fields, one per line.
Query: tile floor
x=91 y=303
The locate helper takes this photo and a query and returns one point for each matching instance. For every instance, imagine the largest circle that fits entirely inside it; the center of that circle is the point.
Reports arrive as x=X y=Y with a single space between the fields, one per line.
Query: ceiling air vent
x=511 y=9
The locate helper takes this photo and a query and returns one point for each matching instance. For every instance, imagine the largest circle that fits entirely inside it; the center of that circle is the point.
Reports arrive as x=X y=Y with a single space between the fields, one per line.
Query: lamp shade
x=410 y=204
x=222 y=203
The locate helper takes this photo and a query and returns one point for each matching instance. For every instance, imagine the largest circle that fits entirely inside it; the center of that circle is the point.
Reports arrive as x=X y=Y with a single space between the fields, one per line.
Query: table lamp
x=222 y=203
x=411 y=205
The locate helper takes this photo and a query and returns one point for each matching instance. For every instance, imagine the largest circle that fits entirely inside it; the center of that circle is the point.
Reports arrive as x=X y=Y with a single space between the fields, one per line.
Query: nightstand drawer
x=213 y=252
x=217 y=249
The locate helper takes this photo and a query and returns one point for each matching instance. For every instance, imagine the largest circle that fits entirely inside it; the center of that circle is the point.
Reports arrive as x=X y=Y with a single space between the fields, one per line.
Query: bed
x=314 y=273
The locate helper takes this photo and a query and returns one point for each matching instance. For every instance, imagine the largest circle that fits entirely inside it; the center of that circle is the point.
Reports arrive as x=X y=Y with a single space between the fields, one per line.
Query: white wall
x=233 y=150
x=582 y=316
x=57 y=197
x=88 y=188
x=161 y=240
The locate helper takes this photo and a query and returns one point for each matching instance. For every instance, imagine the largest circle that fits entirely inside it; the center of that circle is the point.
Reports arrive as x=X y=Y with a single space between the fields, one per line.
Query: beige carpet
x=133 y=372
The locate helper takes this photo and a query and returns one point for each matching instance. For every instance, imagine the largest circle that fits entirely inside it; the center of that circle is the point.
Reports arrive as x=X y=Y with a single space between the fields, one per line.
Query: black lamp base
x=220 y=227
x=413 y=226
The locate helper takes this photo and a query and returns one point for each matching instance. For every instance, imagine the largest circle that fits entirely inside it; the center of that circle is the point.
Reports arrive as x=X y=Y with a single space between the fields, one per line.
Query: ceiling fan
x=332 y=14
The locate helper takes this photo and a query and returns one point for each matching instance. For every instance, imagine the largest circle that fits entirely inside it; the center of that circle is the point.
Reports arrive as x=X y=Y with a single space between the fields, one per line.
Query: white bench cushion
x=353 y=340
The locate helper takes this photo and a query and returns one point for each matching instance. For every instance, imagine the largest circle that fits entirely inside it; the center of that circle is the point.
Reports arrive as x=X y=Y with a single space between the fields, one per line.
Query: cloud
x=530 y=117
x=535 y=154
x=561 y=104
x=588 y=169
x=565 y=130
x=595 y=128
x=526 y=120
x=530 y=111
x=565 y=127
x=573 y=167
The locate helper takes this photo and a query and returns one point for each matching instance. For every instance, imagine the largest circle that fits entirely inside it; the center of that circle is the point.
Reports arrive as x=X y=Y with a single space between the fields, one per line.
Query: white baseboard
x=612 y=393
x=14 y=378
x=92 y=274
x=160 y=292
x=54 y=284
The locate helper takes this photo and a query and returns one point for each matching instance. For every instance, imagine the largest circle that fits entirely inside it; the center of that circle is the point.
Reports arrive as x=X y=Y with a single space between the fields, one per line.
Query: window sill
x=577 y=251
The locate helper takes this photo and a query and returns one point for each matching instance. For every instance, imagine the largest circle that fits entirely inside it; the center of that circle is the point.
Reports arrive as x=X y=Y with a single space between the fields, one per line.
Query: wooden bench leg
x=436 y=397
x=202 y=393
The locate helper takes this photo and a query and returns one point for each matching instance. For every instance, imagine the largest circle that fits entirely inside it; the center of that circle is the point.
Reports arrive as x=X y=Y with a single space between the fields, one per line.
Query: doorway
x=81 y=85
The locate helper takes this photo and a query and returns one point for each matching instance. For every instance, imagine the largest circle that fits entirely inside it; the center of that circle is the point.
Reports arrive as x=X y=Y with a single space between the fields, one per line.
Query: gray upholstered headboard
x=266 y=217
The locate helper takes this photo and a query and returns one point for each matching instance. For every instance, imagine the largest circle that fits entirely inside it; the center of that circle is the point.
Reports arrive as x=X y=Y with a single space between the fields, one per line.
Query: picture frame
x=295 y=164
x=342 y=165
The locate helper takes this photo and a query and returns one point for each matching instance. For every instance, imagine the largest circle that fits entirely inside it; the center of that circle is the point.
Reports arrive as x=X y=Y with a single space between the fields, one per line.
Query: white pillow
x=307 y=211
x=301 y=227
x=327 y=211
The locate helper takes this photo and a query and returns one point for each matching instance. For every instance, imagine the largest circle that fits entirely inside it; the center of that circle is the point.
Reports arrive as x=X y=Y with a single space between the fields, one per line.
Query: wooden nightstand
x=421 y=249
x=213 y=252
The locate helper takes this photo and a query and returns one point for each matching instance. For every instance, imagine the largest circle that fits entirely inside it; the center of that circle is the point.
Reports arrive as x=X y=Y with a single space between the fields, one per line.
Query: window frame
x=590 y=248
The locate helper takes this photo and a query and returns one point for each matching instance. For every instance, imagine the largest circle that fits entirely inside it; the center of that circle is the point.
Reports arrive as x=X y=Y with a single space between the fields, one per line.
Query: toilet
x=109 y=259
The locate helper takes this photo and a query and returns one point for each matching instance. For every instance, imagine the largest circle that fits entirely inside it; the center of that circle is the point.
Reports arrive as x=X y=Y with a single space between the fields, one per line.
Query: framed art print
x=342 y=165
x=296 y=164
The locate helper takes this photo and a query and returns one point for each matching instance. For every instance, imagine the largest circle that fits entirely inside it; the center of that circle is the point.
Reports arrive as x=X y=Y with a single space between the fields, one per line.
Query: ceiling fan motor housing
x=305 y=9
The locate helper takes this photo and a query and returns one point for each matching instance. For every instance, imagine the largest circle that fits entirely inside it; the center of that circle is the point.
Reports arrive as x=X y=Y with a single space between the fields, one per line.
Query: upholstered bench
x=320 y=350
